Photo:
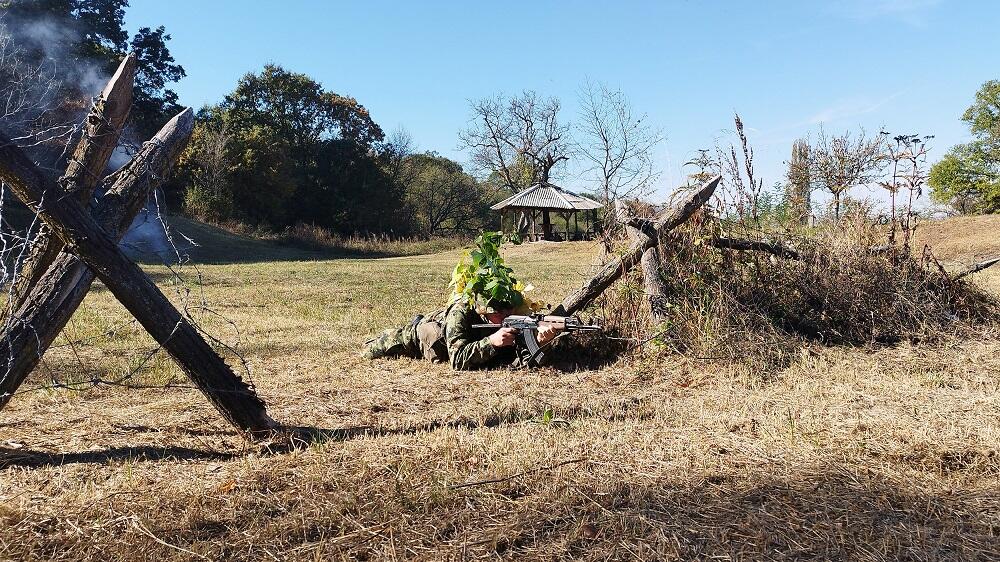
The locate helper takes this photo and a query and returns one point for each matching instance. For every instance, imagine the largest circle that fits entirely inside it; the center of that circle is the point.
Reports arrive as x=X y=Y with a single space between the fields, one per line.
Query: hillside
x=962 y=239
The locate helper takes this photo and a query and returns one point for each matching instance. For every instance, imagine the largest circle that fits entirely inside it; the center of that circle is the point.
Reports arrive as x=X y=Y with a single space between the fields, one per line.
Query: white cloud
x=846 y=108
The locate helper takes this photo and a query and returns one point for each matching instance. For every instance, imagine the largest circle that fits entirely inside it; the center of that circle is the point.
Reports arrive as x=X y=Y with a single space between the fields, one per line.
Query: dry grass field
x=851 y=454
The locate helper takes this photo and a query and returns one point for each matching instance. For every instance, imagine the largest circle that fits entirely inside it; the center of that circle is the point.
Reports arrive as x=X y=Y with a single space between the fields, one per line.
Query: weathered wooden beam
x=653 y=285
x=101 y=130
x=614 y=269
x=976 y=268
x=63 y=286
x=81 y=234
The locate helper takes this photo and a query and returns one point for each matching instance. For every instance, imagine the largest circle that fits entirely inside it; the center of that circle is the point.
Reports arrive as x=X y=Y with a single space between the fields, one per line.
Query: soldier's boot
x=388 y=344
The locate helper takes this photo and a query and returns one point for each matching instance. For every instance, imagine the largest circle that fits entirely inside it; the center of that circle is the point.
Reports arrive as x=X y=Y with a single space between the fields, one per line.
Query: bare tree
x=617 y=143
x=29 y=93
x=842 y=162
x=517 y=140
x=396 y=148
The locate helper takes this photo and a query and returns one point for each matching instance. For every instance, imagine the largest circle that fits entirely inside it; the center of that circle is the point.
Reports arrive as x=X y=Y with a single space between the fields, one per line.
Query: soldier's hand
x=504 y=337
x=546 y=333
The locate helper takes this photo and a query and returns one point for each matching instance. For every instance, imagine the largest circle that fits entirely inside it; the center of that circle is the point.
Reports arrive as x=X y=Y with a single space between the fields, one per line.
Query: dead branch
x=976 y=268
x=745 y=245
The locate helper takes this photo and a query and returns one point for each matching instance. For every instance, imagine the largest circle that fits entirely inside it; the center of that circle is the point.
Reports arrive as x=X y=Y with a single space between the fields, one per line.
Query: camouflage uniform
x=468 y=347
x=422 y=338
x=447 y=334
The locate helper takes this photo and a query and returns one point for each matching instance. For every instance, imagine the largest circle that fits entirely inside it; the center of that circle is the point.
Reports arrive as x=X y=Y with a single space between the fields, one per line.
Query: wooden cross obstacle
x=76 y=245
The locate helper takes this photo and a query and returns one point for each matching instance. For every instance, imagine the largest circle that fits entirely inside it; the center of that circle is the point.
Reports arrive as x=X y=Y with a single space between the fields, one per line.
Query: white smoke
x=56 y=43
x=120 y=157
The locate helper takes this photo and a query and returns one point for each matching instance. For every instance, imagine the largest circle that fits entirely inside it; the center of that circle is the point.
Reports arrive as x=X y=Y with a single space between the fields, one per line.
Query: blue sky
x=907 y=65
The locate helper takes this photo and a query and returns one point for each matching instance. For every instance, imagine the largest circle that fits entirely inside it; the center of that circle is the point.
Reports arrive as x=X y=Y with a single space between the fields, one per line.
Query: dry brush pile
x=731 y=289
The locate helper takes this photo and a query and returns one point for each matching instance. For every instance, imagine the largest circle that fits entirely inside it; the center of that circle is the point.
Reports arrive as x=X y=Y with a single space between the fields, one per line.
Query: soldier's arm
x=464 y=350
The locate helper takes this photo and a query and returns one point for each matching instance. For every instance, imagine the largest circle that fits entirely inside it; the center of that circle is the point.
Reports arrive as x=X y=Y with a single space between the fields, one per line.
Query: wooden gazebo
x=543 y=199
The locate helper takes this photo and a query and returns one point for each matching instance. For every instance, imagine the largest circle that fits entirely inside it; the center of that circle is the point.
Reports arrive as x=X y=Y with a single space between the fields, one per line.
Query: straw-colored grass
x=855 y=454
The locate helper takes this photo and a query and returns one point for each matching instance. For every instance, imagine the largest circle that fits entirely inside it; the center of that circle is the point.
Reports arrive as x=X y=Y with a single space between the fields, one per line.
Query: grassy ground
x=883 y=454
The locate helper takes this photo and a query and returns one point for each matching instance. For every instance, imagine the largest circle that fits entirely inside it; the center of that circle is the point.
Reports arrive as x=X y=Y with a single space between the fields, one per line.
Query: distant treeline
x=280 y=150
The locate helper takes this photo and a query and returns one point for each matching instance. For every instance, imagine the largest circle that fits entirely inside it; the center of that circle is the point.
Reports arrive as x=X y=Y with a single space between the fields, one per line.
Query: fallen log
x=614 y=269
x=976 y=268
x=83 y=236
x=101 y=130
x=745 y=245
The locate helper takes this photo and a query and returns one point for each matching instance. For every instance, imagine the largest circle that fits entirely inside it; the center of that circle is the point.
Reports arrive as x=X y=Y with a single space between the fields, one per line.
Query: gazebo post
x=576 y=223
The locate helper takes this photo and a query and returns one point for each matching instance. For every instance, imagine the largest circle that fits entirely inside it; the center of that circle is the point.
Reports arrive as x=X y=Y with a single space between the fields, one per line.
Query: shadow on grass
x=205 y=244
x=37 y=459
x=291 y=438
x=833 y=513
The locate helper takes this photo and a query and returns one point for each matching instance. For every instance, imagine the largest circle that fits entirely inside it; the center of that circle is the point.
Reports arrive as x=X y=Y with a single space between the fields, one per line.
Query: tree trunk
x=101 y=130
x=614 y=269
x=653 y=284
x=81 y=234
x=546 y=225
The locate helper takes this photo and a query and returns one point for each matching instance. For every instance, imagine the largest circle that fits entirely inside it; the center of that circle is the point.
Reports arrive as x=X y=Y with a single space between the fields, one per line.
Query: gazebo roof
x=547 y=196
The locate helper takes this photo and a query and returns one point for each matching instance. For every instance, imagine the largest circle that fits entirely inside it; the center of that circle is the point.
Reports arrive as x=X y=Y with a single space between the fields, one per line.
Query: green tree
x=153 y=102
x=968 y=177
x=443 y=197
x=85 y=40
x=299 y=149
x=293 y=152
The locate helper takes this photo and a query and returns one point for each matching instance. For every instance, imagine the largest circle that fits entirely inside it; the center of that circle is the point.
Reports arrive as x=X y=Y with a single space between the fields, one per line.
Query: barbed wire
x=79 y=373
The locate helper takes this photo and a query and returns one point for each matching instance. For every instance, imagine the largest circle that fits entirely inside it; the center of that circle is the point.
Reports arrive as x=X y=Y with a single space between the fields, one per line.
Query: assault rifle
x=527 y=327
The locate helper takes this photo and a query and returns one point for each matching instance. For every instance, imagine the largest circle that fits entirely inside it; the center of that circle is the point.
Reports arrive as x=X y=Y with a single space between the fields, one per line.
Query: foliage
x=206 y=169
x=486 y=281
x=443 y=197
x=294 y=152
x=968 y=177
x=85 y=40
x=798 y=191
x=153 y=102
x=749 y=306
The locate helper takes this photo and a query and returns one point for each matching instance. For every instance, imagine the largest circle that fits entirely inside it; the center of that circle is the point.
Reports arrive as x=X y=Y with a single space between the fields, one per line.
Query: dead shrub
x=845 y=288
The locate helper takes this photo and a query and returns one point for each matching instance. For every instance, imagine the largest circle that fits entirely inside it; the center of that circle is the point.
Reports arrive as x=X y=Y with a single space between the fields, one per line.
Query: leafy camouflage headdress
x=486 y=281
